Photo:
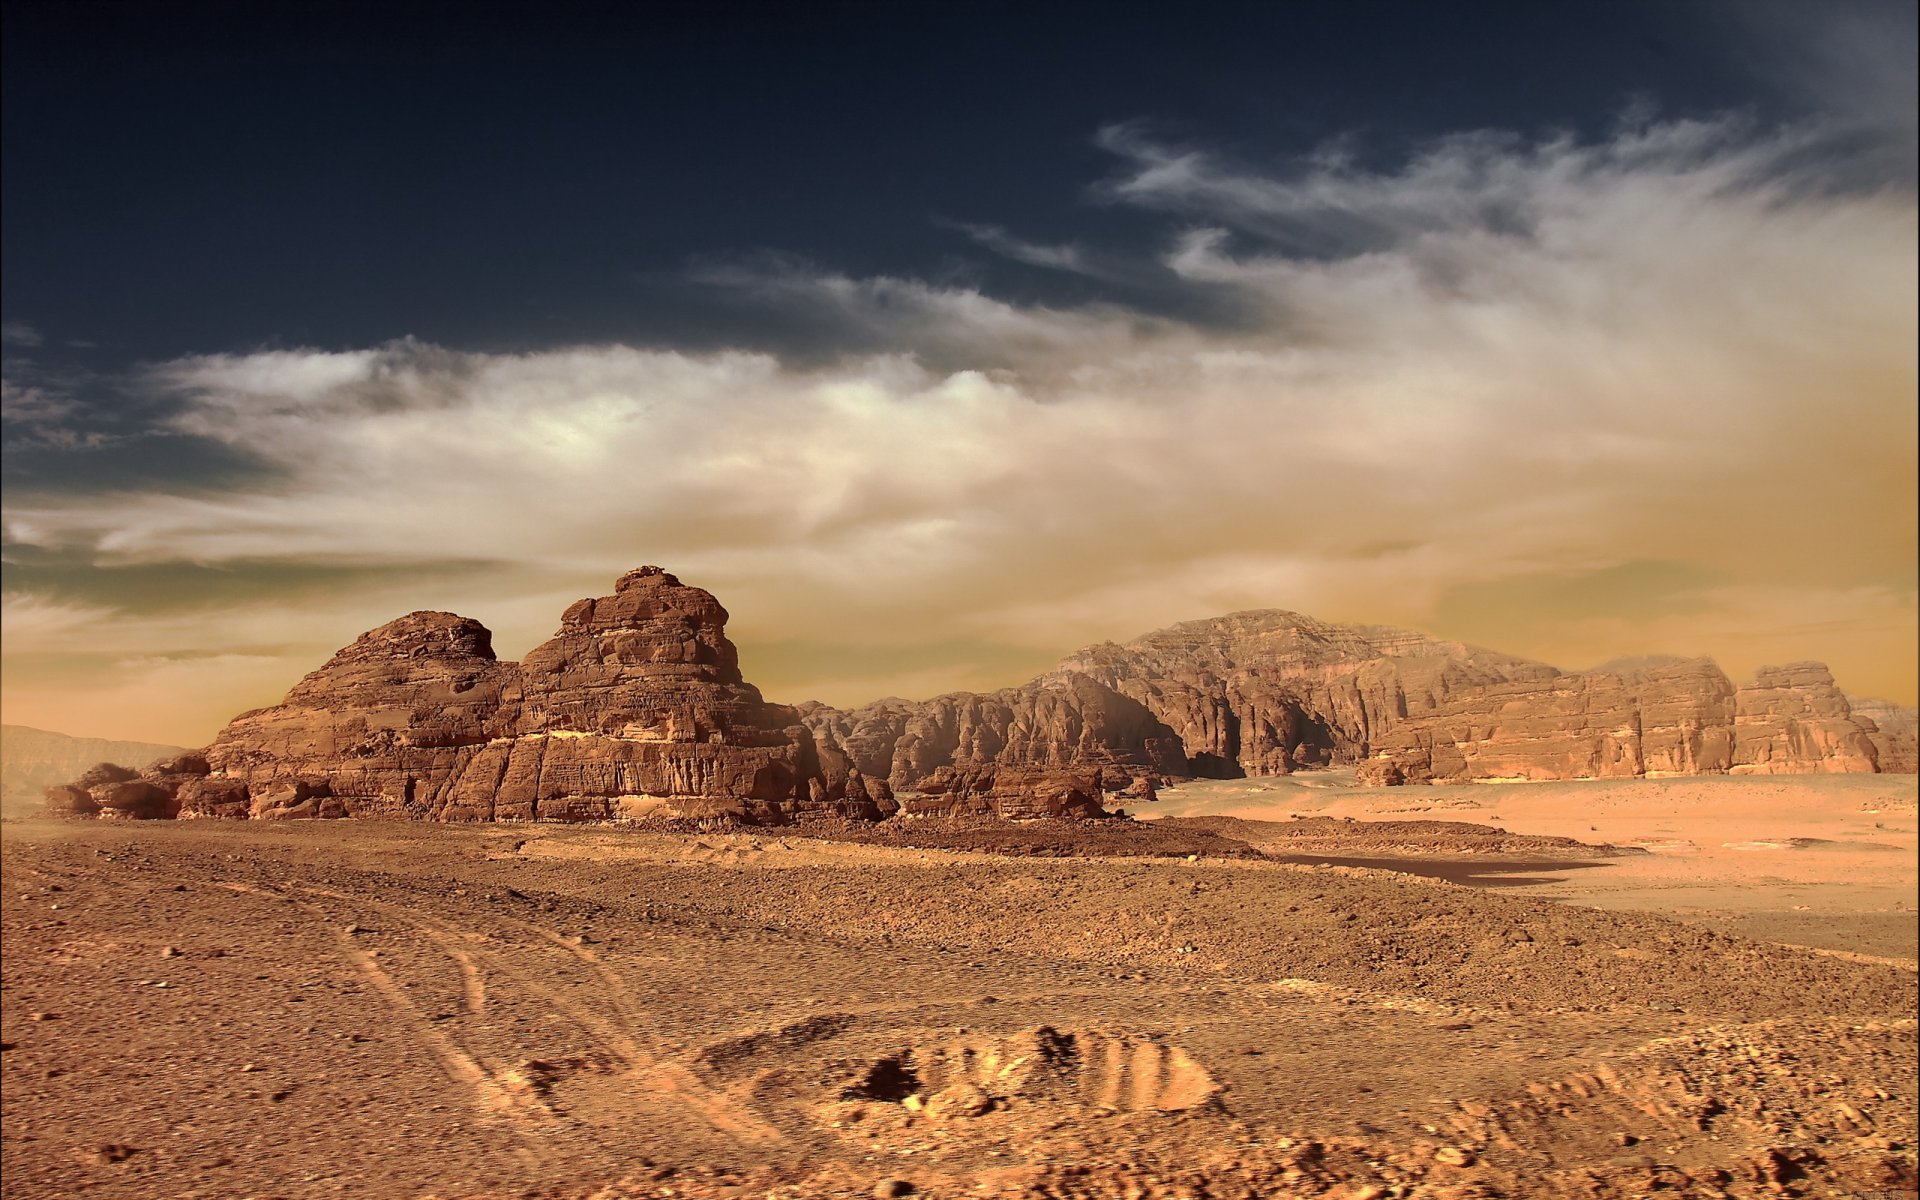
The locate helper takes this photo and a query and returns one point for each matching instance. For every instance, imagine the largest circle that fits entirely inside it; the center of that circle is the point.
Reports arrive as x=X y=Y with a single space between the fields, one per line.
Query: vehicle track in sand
x=491 y=1092
x=657 y=1075
x=386 y=1011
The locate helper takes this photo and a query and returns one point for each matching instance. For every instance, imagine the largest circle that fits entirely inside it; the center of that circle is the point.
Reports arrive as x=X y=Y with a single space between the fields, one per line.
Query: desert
x=374 y=1008
x=837 y=600
x=691 y=948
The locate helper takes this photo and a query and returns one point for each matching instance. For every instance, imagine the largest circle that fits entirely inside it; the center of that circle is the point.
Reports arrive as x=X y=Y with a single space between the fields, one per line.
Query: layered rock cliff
x=1893 y=730
x=637 y=706
x=1048 y=748
x=1271 y=692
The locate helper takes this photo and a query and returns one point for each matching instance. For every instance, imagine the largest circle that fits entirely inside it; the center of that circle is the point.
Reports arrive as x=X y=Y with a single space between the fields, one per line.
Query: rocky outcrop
x=636 y=706
x=383 y=727
x=1043 y=744
x=31 y=760
x=1894 y=731
x=1672 y=718
x=1270 y=692
x=1791 y=720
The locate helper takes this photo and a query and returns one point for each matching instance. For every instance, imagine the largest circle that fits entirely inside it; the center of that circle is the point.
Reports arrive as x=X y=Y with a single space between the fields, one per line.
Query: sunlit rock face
x=636 y=706
x=380 y=728
x=1270 y=692
x=1791 y=720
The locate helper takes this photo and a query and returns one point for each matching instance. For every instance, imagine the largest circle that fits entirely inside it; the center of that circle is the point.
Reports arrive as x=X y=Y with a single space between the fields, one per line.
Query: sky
x=940 y=341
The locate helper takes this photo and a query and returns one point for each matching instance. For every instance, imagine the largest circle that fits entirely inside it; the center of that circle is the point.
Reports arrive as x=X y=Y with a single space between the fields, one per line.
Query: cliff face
x=637 y=706
x=1791 y=720
x=1050 y=746
x=1271 y=692
x=1894 y=731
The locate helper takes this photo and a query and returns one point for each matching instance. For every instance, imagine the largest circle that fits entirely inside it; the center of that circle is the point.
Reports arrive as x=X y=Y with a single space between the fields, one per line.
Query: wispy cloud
x=1504 y=358
x=19 y=333
x=1066 y=257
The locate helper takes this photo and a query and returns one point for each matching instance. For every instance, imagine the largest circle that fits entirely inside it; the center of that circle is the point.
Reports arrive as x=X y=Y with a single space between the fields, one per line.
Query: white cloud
x=19 y=333
x=1506 y=357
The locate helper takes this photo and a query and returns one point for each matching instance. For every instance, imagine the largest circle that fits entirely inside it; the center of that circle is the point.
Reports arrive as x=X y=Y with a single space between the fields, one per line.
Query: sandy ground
x=1829 y=861
x=310 y=1009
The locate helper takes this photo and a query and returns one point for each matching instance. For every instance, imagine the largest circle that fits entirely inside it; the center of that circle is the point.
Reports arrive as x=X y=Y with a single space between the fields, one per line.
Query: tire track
x=661 y=1073
x=489 y=1095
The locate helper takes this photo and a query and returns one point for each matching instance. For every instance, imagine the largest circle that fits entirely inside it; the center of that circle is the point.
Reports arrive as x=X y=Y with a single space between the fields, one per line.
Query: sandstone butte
x=637 y=708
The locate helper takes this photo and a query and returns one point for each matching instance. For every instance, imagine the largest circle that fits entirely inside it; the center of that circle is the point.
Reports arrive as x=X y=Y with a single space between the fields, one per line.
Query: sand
x=319 y=1009
x=1831 y=861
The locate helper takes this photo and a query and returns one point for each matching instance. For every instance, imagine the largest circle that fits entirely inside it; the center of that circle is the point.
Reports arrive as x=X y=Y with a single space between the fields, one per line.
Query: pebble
x=887 y=1189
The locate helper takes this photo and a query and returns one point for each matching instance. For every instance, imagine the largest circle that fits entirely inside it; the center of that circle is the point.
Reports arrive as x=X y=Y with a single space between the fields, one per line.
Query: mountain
x=1269 y=692
x=637 y=707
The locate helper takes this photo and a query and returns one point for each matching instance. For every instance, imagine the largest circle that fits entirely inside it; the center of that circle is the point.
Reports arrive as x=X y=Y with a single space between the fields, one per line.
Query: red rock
x=1380 y=772
x=138 y=799
x=637 y=707
x=103 y=773
x=216 y=798
x=1064 y=722
x=636 y=704
x=383 y=724
x=1894 y=731
x=70 y=800
x=1792 y=720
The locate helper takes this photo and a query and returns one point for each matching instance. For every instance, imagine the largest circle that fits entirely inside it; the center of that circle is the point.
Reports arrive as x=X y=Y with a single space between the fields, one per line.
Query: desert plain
x=1263 y=988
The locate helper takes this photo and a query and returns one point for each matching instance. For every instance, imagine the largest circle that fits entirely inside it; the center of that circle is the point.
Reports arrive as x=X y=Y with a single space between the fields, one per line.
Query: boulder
x=1380 y=772
x=105 y=773
x=135 y=799
x=200 y=797
x=71 y=800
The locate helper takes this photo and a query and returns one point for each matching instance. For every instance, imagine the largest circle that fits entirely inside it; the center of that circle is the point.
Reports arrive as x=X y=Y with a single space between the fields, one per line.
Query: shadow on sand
x=1472 y=872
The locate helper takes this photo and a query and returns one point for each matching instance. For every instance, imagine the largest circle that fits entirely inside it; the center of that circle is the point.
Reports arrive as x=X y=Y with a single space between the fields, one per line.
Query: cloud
x=19 y=333
x=1035 y=254
x=936 y=325
x=1508 y=364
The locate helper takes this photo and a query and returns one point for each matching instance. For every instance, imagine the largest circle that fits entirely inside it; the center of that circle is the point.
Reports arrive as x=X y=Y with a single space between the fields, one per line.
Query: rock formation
x=637 y=707
x=1893 y=730
x=1271 y=692
x=31 y=760
x=1791 y=720
x=1064 y=735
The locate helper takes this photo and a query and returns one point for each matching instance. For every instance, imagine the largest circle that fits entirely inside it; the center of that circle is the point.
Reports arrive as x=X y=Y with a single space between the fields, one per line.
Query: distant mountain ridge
x=1268 y=692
